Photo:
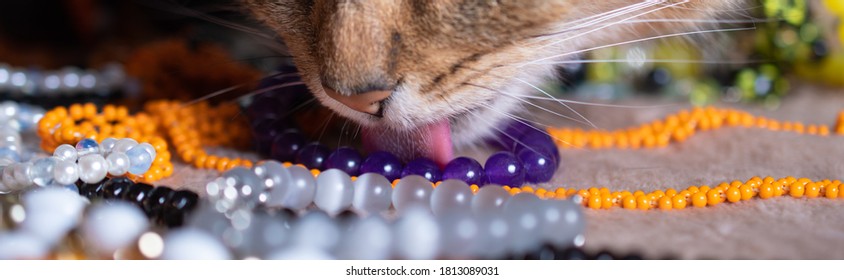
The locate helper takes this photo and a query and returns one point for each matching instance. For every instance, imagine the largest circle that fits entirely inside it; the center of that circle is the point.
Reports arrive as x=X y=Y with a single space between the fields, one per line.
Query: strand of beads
x=219 y=126
x=161 y=204
x=839 y=125
x=69 y=81
x=14 y=159
x=677 y=128
x=82 y=121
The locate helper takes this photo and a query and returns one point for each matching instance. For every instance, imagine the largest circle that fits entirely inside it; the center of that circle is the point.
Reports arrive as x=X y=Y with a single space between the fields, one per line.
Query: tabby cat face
x=403 y=65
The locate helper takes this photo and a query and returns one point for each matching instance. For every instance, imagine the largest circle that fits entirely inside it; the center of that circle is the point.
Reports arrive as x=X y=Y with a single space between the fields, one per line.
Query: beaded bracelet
x=73 y=124
x=14 y=158
x=678 y=128
x=69 y=81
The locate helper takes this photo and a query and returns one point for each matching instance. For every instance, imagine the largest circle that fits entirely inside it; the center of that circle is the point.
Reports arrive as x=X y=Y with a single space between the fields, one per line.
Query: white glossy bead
x=316 y=230
x=368 y=239
x=300 y=253
x=459 y=231
x=276 y=179
x=334 y=191
x=302 y=189
x=112 y=226
x=42 y=171
x=93 y=168
x=451 y=196
x=51 y=212
x=193 y=244
x=65 y=172
x=373 y=194
x=413 y=190
x=416 y=234
x=522 y=214
x=494 y=235
x=118 y=164
x=489 y=199
x=563 y=222
x=123 y=145
x=22 y=176
x=139 y=160
x=149 y=148
x=65 y=152
x=107 y=144
x=17 y=245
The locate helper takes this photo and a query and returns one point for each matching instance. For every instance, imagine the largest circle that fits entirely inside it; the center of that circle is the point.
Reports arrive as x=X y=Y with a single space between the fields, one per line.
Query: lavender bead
x=451 y=196
x=465 y=169
x=372 y=194
x=313 y=156
x=423 y=167
x=346 y=159
x=383 y=163
x=503 y=168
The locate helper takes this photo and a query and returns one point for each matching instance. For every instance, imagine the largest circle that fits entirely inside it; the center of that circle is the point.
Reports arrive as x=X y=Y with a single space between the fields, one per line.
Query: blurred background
x=107 y=49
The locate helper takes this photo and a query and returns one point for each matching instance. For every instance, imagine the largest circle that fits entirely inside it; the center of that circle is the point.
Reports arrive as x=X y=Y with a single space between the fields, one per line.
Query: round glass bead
x=193 y=244
x=334 y=191
x=18 y=245
x=539 y=168
x=489 y=199
x=523 y=215
x=413 y=190
x=118 y=164
x=286 y=145
x=138 y=194
x=107 y=145
x=372 y=194
x=313 y=156
x=346 y=159
x=9 y=153
x=563 y=221
x=66 y=172
x=416 y=235
x=451 y=196
x=243 y=187
x=92 y=168
x=423 y=167
x=494 y=234
x=139 y=159
x=149 y=148
x=302 y=189
x=51 y=213
x=503 y=168
x=91 y=191
x=42 y=171
x=116 y=188
x=458 y=232
x=112 y=226
x=123 y=145
x=155 y=200
x=383 y=163
x=182 y=202
x=541 y=142
x=465 y=169
x=87 y=146
x=65 y=152
x=316 y=230
x=367 y=239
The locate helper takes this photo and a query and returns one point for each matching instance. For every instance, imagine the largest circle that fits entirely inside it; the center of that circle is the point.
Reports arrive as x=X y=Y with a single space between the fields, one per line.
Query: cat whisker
x=234 y=87
x=325 y=126
x=603 y=104
x=177 y=8
x=637 y=41
x=270 y=88
x=515 y=139
x=527 y=123
x=529 y=103
x=632 y=8
x=676 y=61
x=558 y=101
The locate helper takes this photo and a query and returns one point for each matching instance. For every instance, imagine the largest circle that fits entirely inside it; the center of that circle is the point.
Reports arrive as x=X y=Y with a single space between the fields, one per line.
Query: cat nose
x=369 y=102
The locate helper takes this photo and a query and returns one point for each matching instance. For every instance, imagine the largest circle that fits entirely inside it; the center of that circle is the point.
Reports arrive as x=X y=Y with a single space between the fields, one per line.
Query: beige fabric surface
x=778 y=228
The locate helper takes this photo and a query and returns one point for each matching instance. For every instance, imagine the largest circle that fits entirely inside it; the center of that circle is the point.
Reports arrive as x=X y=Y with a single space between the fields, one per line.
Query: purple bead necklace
x=528 y=154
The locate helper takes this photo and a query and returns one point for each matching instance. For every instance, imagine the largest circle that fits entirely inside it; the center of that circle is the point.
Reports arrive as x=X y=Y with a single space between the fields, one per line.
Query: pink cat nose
x=365 y=102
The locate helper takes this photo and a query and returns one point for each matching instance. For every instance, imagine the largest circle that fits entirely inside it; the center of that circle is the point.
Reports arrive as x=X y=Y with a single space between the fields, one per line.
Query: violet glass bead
x=465 y=169
x=264 y=132
x=539 y=168
x=423 y=167
x=383 y=163
x=540 y=142
x=503 y=168
x=286 y=145
x=313 y=156
x=346 y=159
x=263 y=107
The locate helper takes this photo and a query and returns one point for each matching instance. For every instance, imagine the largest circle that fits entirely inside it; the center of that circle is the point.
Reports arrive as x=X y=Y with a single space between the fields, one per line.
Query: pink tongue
x=432 y=141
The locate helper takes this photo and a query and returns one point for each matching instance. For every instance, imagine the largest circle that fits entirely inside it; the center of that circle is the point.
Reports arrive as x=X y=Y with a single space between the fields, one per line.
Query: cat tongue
x=432 y=141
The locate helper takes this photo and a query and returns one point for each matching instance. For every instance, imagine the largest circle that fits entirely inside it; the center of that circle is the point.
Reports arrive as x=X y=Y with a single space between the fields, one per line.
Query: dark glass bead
x=92 y=191
x=466 y=169
x=264 y=132
x=346 y=159
x=383 y=163
x=503 y=168
x=264 y=107
x=507 y=139
x=604 y=255
x=819 y=50
x=539 y=141
x=313 y=156
x=156 y=201
x=656 y=80
x=546 y=252
x=180 y=204
x=137 y=193
x=423 y=167
x=572 y=254
x=286 y=145
x=539 y=168
x=115 y=188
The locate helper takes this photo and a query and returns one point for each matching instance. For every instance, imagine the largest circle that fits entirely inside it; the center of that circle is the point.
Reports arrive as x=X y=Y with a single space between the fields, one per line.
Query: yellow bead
x=628 y=202
x=704 y=189
x=594 y=191
x=778 y=188
x=665 y=203
x=733 y=194
x=606 y=202
x=832 y=191
x=693 y=190
x=796 y=189
x=583 y=194
x=670 y=192
x=638 y=193
x=746 y=192
x=595 y=202
x=713 y=197
x=540 y=192
x=643 y=202
x=699 y=199
x=659 y=194
x=766 y=191
x=678 y=202
x=527 y=189
x=812 y=190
